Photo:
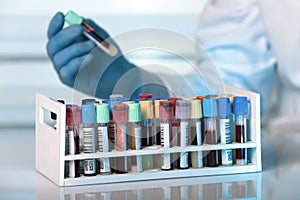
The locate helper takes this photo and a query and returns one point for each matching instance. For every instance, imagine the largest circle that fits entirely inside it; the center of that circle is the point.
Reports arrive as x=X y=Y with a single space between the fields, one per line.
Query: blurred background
x=24 y=66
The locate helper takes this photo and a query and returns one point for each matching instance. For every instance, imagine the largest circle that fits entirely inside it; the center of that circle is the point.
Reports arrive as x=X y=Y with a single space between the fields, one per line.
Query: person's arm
x=233 y=35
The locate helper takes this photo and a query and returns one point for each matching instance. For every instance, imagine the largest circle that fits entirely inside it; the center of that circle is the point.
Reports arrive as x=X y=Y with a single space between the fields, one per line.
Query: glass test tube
x=175 y=135
x=166 y=115
x=134 y=123
x=73 y=121
x=102 y=114
x=209 y=106
x=240 y=110
x=183 y=108
x=147 y=131
x=120 y=117
x=196 y=133
x=89 y=137
x=224 y=126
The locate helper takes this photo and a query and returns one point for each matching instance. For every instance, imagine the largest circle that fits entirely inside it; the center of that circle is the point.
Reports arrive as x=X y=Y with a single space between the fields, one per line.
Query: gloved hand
x=68 y=50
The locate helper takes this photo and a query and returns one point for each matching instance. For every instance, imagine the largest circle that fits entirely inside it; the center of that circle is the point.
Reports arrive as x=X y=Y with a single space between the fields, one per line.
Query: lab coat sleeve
x=233 y=35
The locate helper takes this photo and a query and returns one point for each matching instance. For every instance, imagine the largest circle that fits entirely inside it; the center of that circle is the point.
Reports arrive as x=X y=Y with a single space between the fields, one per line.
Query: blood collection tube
x=72 y=18
x=134 y=124
x=240 y=111
x=102 y=114
x=224 y=125
x=166 y=115
x=175 y=134
x=120 y=117
x=73 y=121
x=209 y=106
x=196 y=132
x=183 y=108
x=89 y=137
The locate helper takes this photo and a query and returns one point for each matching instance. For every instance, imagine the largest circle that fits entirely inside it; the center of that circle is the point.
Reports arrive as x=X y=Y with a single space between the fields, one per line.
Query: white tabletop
x=278 y=180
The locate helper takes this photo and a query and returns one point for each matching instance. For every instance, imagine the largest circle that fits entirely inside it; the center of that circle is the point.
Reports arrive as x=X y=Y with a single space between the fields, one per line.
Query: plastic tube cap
x=88 y=114
x=87 y=101
x=145 y=96
x=166 y=110
x=183 y=108
x=196 y=109
x=209 y=107
x=102 y=113
x=116 y=96
x=120 y=113
x=147 y=109
x=240 y=106
x=72 y=18
x=134 y=112
x=223 y=105
x=156 y=107
x=73 y=115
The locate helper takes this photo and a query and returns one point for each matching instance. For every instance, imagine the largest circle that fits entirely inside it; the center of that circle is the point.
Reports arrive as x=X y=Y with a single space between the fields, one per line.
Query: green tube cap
x=102 y=113
x=72 y=18
x=134 y=112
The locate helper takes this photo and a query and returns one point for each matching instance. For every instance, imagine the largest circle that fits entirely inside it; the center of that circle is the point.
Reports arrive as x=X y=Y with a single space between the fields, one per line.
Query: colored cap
x=73 y=116
x=102 y=113
x=209 y=106
x=146 y=109
x=183 y=108
x=52 y=114
x=145 y=96
x=173 y=100
x=240 y=106
x=120 y=113
x=156 y=107
x=223 y=105
x=196 y=109
x=88 y=114
x=111 y=105
x=166 y=110
x=115 y=96
x=87 y=101
x=202 y=97
x=134 y=112
x=72 y=18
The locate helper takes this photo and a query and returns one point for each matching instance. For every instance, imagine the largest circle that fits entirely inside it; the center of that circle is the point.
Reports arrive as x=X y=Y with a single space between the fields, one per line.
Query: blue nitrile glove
x=69 y=49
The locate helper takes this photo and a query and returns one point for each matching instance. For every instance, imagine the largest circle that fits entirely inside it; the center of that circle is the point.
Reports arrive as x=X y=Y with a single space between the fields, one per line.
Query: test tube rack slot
x=51 y=158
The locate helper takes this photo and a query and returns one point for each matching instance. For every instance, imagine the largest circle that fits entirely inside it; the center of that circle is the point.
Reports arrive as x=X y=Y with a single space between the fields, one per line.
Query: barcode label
x=89 y=140
x=184 y=129
x=225 y=131
x=103 y=147
x=165 y=135
x=90 y=166
x=227 y=157
x=165 y=142
x=111 y=134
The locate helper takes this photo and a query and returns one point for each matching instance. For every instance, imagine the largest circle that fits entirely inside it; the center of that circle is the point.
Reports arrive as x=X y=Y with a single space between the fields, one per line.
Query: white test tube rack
x=51 y=158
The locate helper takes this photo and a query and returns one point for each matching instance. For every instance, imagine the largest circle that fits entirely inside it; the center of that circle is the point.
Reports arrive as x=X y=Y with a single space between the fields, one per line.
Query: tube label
x=71 y=152
x=184 y=129
x=165 y=142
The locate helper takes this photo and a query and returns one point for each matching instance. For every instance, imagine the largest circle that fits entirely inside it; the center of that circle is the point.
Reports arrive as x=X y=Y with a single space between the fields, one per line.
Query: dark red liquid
x=239 y=138
x=212 y=156
x=77 y=151
x=120 y=146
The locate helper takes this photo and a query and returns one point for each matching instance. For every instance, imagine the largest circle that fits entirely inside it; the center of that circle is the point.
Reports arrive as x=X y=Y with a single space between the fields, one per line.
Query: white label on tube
x=198 y=133
x=138 y=137
x=103 y=147
x=89 y=166
x=225 y=131
x=71 y=152
x=200 y=159
x=184 y=129
x=226 y=157
x=165 y=134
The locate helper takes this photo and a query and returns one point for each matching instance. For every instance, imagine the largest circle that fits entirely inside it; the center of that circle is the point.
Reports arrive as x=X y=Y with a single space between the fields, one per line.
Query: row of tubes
x=147 y=123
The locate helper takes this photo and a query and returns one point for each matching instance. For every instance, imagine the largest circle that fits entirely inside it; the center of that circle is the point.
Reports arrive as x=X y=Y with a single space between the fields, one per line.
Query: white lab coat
x=256 y=45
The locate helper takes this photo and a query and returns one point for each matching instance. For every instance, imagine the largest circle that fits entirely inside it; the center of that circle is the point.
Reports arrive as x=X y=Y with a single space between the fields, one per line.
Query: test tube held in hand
x=134 y=123
x=210 y=129
x=89 y=137
x=166 y=115
x=102 y=114
x=73 y=121
x=224 y=125
x=120 y=117
x=240 y=111
x=183 y=114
